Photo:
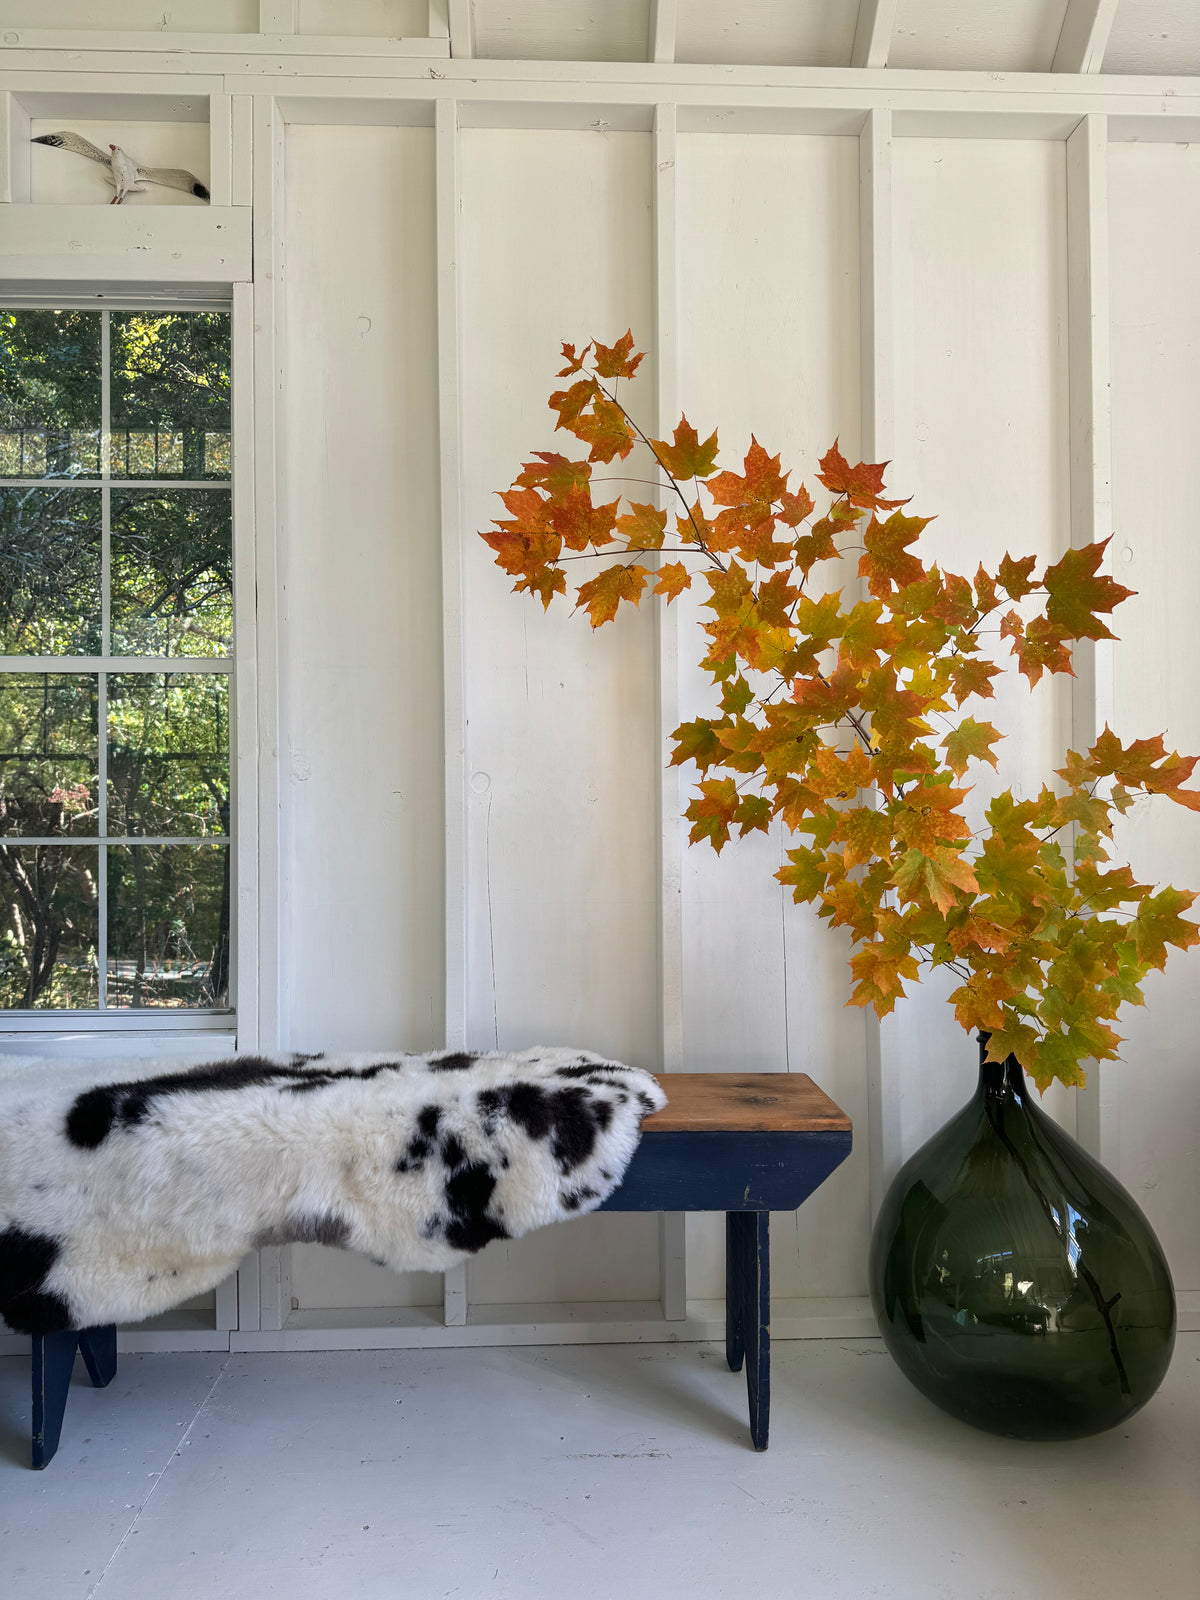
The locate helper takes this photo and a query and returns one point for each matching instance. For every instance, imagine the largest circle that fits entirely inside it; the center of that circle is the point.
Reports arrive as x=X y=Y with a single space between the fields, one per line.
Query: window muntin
x=116 y=638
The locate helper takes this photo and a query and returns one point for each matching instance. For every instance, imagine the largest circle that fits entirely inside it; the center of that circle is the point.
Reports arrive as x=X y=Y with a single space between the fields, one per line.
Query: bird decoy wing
x=174 y=178
x=76 y=142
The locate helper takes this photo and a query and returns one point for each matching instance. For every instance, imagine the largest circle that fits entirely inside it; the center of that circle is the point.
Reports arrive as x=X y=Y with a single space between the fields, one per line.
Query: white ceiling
x=1147 y=36
x=1154 y=37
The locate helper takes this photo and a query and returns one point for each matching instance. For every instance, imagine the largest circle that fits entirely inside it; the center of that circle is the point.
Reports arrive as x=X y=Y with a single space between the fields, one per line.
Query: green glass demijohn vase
x=1014 y=1280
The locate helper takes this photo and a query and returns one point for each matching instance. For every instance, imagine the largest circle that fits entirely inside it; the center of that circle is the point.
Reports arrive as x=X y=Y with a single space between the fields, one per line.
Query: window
x=116 y=652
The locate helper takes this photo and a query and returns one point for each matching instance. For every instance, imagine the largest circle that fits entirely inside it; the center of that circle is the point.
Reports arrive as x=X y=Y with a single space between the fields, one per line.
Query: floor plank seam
x=141 y=1511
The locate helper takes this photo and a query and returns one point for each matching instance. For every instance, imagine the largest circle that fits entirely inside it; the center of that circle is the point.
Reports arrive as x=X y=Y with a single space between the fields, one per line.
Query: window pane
x=48 y=751
x=49 y=572
x=49 y=393
x=168 y=754
x=170 y=394
x=172 y=572
x=48 y=927
x=168 y=926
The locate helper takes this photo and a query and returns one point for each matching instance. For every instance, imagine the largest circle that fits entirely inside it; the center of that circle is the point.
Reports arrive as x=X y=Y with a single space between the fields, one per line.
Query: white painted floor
x=612 y=1472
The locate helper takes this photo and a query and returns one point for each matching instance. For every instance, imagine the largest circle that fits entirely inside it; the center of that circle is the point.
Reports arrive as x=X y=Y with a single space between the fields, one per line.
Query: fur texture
x=128 y=1186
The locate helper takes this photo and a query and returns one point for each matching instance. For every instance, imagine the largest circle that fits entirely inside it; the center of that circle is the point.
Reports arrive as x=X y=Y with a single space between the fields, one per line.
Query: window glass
x=115 y=781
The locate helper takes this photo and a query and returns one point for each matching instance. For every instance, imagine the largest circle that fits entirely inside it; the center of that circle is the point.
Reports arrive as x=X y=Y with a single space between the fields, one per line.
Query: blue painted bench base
x=53 y=1363
x=745 y=1145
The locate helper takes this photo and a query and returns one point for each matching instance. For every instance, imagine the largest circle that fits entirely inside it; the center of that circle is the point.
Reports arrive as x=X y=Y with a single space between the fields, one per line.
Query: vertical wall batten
x=245 y=678
x=1093 y=689
x=453 y=669
x=672 y=1228
x=15 y=161
x=269 y=513
x=220 y=149
x=878 y=419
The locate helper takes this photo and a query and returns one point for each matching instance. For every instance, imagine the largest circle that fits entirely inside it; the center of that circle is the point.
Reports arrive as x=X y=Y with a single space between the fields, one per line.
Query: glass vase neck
x=999 y=1078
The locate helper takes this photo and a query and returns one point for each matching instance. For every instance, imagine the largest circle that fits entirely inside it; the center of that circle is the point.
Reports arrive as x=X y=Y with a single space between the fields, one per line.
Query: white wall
x=397 y=269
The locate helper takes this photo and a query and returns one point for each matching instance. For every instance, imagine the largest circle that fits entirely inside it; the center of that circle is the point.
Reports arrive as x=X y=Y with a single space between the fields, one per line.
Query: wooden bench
x=745 y=1145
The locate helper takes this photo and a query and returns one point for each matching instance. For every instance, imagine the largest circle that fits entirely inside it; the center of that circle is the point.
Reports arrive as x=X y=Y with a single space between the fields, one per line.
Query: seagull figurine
x=125 y=174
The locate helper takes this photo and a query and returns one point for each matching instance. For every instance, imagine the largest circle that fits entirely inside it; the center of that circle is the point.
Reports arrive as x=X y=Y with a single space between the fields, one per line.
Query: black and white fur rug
x=127 y=1187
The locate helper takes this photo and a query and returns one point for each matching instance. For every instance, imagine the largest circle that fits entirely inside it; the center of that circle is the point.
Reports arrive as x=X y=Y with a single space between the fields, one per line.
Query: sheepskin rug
x=128 y=1186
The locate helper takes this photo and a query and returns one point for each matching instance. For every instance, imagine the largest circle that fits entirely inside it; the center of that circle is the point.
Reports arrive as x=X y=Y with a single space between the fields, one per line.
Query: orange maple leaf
x=887 y=562
x=617 y=360
x=644 y=527
x=604 y=593
x=672 y=579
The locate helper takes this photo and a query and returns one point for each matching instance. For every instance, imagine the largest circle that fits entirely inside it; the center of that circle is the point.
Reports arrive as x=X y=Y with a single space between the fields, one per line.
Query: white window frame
x=186 y=1029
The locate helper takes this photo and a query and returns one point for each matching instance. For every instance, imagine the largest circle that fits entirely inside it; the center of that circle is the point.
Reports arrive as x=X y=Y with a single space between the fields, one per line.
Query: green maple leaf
x=687 y=457
x=1077 y=593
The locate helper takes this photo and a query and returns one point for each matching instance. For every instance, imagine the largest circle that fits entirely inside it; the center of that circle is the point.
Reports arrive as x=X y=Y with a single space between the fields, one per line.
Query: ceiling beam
x=664 y=15
x=873 y=33
x=1084 y=37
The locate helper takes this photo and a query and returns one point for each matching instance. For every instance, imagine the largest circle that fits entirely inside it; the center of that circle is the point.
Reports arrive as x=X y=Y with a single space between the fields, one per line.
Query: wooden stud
x=1093 y=691
x=275 y=1263
x=672 y=1230
x=1083 y=39
x=873 y=33
x=878 y=429
x=247 y=831
x=449 y=313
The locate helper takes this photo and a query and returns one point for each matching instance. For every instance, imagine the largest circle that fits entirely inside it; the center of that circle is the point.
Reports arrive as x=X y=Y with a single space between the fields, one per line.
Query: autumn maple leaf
x=617 y=360
x=1077 y=592
x=604 y=593
x=862 y=485
x=686 y=457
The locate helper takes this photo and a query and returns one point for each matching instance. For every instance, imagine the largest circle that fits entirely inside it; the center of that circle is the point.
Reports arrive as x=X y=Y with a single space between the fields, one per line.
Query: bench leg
x=53 y=1361
x=748 y=1311
x=98 y=1347
x=735 y=1336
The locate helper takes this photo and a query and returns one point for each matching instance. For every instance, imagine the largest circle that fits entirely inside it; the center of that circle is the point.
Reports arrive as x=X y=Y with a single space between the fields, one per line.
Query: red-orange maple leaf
x=862 y=485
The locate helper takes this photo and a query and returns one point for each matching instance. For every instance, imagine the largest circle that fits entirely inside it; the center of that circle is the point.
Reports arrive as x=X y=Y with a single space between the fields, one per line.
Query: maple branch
x=649 y=443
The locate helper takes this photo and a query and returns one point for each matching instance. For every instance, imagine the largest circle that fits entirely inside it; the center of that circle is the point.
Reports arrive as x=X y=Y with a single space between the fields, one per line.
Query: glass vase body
x=1014 y=1280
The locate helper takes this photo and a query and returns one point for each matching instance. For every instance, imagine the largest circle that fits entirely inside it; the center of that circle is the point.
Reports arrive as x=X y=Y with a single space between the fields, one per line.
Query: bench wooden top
x=741 y=1102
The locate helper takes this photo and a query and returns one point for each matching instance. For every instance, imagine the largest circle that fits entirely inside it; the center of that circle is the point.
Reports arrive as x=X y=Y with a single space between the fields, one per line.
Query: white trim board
x=608 y=1322
x=156 y=244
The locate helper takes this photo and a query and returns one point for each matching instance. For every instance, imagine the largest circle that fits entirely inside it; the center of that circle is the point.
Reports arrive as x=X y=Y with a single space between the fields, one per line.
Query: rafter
x=873 y=33
x=1084 y=37
x=664 y=17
